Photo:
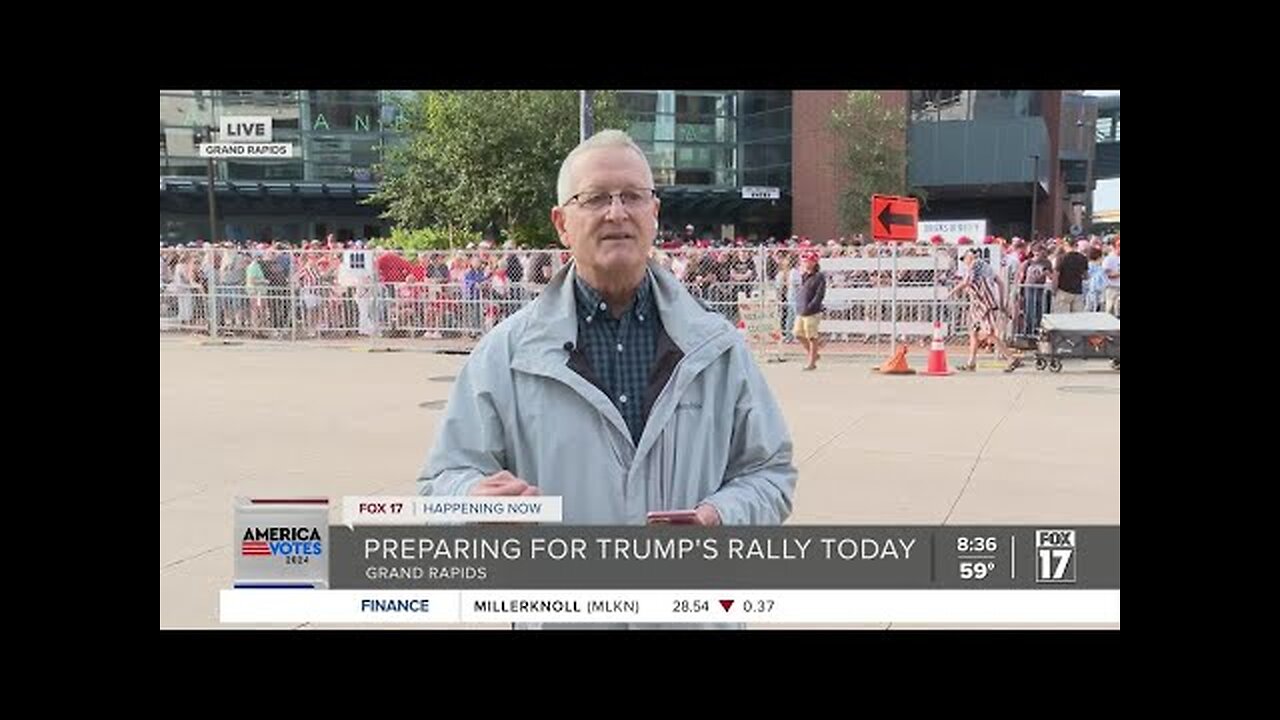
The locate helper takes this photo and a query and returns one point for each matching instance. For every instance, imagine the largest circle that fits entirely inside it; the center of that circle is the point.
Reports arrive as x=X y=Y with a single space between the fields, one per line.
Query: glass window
x=687 y=132
x=758 y=101
x=281 y=106
x=765 y=154
x=184 y=167
x=695 y=177
x=185 y=110
x=939 y=105
x=996 y=105
x=365 y=151
x=363 y=97
x=237 y=100
x=780 y=178
x=641 y=131
x=638 y=102
x=344 y=149
x=391 y=96
x=1103 y=132
x=355 y=110
x=663 y=155
x=664 y=127
x=771 y=124
x=704 y=156
x=180 y=142
x=341 y=172
x=290 y=170
x=695 y=108
x=726 y=130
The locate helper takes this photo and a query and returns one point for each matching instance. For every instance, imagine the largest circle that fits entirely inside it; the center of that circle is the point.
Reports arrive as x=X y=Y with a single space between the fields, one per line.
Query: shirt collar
x=590 y=303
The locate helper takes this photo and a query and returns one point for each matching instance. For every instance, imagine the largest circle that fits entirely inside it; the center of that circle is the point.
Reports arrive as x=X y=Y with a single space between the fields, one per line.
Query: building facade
x=732 y=163
x=338 y=137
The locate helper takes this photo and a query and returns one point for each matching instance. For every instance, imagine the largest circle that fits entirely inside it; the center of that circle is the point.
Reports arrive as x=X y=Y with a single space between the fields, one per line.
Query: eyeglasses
x=595 y=200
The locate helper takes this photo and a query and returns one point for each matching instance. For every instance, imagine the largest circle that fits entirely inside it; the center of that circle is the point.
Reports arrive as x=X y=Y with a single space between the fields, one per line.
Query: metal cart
x=1077 y=336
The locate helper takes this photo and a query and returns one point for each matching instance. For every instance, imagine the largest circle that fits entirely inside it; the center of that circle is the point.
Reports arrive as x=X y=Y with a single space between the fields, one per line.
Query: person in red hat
x=813 y=287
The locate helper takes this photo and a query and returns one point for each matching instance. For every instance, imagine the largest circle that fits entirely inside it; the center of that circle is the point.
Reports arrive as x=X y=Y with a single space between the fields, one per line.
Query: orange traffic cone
x=937 y=354
x=896 y=365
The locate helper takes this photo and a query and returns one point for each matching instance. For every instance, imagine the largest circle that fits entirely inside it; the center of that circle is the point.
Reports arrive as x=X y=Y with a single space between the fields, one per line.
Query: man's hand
x=504 y=483
x=707 y=514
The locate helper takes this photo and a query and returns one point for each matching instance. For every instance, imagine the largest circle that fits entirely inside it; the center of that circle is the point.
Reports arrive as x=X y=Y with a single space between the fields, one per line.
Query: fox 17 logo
x=1055 y=556
x=295 y=545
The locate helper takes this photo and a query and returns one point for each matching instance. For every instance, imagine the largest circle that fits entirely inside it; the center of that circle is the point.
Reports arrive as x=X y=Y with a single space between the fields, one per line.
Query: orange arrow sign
x=894 y=218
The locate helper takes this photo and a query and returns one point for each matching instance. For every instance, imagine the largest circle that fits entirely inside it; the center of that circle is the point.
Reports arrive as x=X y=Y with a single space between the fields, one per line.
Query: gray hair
x=602 y=139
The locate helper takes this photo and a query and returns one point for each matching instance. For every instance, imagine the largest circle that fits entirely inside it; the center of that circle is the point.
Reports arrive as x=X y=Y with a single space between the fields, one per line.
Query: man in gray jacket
x=615 y=389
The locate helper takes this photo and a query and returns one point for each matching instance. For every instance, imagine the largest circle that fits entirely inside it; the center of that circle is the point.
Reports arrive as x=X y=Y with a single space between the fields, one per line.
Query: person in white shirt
x=1111 y=266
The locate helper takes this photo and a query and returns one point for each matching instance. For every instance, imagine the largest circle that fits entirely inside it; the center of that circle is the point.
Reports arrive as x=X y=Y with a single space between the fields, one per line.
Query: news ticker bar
x=668 y=606
x=793 y=557
x=441 y=543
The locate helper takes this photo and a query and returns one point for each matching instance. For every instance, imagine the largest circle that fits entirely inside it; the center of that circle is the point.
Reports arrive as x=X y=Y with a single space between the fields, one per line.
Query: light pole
x=586 y=125
x=1035 y=190
x=201 y=135
x=211 y=296
x=1087 y=130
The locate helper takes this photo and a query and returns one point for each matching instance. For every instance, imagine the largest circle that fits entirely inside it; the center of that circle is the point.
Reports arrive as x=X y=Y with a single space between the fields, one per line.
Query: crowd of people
x=333 y=288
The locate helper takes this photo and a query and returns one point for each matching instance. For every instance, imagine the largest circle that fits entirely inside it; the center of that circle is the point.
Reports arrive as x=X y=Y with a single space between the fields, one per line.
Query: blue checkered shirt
x=620 y=351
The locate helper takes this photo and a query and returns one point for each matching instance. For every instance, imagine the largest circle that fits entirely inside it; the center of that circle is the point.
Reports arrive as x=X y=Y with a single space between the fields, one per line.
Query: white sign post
x=893 y=304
